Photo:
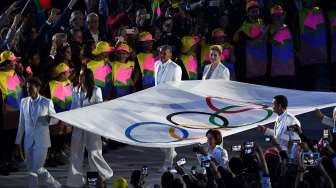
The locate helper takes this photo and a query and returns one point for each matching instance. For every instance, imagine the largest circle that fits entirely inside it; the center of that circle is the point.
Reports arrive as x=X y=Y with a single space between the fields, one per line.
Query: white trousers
x=35 y=159
x=170 y=154
x=80 y=140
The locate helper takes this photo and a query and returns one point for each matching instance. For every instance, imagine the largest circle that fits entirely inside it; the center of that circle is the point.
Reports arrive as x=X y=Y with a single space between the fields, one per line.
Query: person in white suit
x=166 y=70
x=86 y=94
x=34 y=121
x=282 y=131
x=216 y=70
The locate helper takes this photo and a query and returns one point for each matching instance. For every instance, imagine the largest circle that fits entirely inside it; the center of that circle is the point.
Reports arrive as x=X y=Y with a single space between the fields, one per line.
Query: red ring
x=214 y=108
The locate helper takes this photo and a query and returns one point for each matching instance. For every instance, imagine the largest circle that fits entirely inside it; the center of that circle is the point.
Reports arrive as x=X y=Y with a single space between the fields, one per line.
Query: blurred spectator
x=312 y=45
x=145 y=59
x=123 y=72
x=101 y=68
x=282 y=50
x=251 y=49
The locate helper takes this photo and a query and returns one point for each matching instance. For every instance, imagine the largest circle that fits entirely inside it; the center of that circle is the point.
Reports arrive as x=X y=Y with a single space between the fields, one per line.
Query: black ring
x=225 y=121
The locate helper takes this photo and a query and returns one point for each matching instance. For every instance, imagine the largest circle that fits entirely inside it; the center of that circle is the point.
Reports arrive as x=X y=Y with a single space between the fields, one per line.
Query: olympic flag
x=180 y=113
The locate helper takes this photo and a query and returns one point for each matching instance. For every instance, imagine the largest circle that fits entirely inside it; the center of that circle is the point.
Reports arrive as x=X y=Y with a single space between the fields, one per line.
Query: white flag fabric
x=179 y=113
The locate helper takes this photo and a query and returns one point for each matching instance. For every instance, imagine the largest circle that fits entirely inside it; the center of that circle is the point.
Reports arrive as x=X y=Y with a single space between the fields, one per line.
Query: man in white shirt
x=282 y=131
x=34 y=121
x=166 y=70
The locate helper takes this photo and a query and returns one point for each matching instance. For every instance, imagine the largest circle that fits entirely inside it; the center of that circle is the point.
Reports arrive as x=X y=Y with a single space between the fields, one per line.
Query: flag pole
x=25 y=7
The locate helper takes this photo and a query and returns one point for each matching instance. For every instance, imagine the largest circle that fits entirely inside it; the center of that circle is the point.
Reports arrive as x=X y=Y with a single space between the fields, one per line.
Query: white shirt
x=168 y=71
x=220 y=72
x=79 y=98
x=219 y=154
x=95 y=36
x=280 y=131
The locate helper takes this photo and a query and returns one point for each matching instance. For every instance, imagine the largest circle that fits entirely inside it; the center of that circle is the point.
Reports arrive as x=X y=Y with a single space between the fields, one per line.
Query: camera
x=92 y=179
x=205 y=161
x=181 y=162
x=325 y=134
x=248 y=147
x=268 y=139
x=310 y=159
x=236 y=148
x=144 y=171
x=193 y=170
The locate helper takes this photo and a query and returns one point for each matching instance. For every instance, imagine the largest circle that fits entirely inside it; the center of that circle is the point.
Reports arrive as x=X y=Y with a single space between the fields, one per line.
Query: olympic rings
x=224 y=120
x=173 y=134
x=185 y=134
x=212 y=117
x=215 y=109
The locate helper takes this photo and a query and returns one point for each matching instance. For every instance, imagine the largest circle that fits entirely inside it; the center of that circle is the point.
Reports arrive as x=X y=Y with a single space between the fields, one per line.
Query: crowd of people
x=70 y=54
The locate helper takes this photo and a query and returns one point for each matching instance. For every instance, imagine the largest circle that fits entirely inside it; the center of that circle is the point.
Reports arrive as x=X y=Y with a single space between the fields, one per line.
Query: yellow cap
x=7 y=55
x=145 y=36
x=124 y=47
x=188 y=42
x=102 y=47
x=60 y=68
x=120 y=183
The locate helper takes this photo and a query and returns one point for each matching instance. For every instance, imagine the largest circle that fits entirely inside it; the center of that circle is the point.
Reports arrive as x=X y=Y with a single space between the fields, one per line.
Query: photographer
x=214 y=151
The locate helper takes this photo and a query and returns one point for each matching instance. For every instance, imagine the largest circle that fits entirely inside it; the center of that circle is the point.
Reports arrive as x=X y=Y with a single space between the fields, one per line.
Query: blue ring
x=128 y=131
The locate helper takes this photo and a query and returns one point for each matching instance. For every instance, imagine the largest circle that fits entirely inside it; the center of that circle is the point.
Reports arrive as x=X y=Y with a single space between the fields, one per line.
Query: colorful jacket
x=61 y=95
x=313 y=37
x=12 y=92
x=102 y=75
x=282 y=50
x=122 y=77
x=147 y=62
x=190 y=63
x=255 y=46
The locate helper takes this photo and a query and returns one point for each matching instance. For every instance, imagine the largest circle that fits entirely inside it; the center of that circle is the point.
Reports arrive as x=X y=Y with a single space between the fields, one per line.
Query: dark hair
x=236 y=165
x=281 y=100
x=34 y=81
x=89 y=81
x=60 y=54
x=167 y=180
x=166 y=47
x=178 y=183
x=87 y=50
x=216 y=134
x=135 y=178
x=73 y=31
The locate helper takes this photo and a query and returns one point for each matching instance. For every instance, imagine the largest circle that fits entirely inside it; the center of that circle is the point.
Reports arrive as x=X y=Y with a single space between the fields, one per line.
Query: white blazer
x=35 y=127
x=165 y=72
x=78 y=95
x=220 y=72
